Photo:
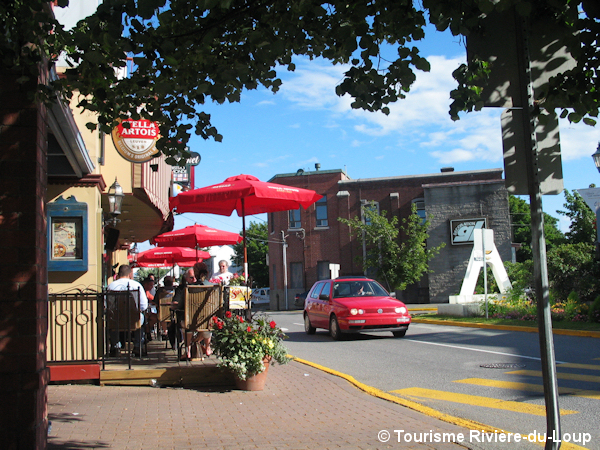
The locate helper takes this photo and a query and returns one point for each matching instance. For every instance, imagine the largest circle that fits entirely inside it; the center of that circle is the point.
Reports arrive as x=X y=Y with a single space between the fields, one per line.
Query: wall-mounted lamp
x=115 y=201
x=133 y=252
x=596 y=157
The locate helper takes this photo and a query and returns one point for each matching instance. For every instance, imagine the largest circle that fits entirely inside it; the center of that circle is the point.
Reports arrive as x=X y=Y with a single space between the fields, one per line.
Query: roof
x=444 y=175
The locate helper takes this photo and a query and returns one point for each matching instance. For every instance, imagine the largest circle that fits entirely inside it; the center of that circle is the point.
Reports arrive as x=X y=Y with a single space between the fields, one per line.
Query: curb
x=578 y=333
x=465 y=423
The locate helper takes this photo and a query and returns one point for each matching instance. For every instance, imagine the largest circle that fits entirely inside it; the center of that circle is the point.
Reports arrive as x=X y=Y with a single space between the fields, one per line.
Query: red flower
x=241 y=319
x=215 y=319
x=228 y=314
x=220 y=325
x=249 y=329
x=272 y=324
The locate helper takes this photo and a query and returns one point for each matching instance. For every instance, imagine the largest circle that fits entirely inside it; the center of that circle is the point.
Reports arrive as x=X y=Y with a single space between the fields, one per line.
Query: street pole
x=538 y=243
x=285 y=285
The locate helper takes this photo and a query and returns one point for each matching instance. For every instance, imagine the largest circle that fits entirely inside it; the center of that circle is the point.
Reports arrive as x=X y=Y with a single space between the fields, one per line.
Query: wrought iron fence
x=75 y=327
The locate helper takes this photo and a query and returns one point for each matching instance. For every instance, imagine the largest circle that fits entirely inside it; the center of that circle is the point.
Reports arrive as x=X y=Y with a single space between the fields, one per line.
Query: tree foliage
x=257 y=248
x=583 y=220
x=520 y=215
x=572 y=268
x=186 y=54
x=398 y=264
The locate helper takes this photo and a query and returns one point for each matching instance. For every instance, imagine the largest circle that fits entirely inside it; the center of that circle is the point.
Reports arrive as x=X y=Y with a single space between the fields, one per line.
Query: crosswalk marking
x=559 y=375
x=486 y=402
x=579 y=366
x=529 y=387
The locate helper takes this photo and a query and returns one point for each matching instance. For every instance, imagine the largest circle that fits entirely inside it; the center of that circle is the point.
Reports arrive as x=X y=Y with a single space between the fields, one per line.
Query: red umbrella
x=169 y=256
x=195 y=236
x=245 y=194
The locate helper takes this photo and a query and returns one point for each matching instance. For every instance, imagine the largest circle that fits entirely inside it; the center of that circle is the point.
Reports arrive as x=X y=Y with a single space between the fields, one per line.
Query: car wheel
x=308 y=326
x=400 y=333
x=334 y=329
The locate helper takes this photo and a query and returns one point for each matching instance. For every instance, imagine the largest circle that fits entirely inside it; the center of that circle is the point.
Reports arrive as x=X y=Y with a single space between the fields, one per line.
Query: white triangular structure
x=484 y=245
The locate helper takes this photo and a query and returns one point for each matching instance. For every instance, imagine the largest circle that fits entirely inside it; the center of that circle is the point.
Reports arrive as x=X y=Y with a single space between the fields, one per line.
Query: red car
x=351 y=305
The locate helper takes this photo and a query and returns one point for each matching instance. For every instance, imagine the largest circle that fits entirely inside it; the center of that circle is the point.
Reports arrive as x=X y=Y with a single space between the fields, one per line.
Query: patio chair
x=122 y=315
x=201 y=304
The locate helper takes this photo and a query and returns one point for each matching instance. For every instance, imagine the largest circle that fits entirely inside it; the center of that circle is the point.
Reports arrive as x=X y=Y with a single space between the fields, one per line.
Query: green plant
x=594 y=311
x=242 y=345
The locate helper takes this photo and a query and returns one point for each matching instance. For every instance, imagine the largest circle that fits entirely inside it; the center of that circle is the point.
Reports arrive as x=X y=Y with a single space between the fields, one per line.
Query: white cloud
x=578 y=140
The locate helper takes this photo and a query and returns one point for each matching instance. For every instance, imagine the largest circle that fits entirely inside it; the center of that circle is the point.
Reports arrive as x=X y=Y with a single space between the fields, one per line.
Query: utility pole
x=285 y=283
x=538 y=243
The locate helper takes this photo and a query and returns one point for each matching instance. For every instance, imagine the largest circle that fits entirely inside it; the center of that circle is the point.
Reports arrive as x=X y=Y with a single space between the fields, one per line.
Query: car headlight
x=401 y=310
x=355 y=311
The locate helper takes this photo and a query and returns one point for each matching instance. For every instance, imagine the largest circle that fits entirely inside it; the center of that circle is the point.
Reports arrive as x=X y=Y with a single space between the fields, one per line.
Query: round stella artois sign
x=136 y=143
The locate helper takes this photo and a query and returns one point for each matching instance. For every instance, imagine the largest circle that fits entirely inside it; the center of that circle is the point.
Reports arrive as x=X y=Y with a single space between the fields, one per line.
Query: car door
x=314 y=306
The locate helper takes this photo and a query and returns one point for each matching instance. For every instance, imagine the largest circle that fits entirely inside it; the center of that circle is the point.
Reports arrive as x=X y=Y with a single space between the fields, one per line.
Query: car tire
x=399 y=334
x=334 y=329
x=308 y=328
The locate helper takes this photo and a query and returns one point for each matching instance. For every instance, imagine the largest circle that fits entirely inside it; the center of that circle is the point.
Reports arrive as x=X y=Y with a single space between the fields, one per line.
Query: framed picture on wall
x=66 y=238
x=67 y=235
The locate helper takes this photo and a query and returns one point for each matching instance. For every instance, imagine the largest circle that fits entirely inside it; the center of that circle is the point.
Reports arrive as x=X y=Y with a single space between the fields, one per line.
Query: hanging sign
x=136 y=142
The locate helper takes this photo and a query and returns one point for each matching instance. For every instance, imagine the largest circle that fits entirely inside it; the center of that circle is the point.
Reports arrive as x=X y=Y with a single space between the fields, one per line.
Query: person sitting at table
x=126 y=282
x=204 y=337
x=164 y=295
x=148 y=285
x=224 y=275
x=178 y=305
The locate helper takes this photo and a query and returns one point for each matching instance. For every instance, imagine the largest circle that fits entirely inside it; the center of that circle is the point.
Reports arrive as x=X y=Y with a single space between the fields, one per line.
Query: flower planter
x=255 y=382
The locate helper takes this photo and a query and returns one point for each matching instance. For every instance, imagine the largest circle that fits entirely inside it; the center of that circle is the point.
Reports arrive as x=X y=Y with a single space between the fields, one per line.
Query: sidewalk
x=301 y=408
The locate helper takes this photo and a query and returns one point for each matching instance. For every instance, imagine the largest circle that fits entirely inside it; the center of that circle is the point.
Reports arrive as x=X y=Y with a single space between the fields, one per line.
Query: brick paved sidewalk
x=300 y=408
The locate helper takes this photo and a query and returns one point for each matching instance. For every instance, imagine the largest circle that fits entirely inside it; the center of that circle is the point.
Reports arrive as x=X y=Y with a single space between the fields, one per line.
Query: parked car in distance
x=260 y=296
x=299 y=299
x=353 y=305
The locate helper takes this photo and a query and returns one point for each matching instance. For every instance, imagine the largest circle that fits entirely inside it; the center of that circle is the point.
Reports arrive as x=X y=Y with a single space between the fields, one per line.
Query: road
x=487 y=376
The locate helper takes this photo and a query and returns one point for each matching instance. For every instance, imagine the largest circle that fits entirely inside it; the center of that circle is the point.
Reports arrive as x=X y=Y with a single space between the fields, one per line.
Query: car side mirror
x=393 y=294
x=323 y=297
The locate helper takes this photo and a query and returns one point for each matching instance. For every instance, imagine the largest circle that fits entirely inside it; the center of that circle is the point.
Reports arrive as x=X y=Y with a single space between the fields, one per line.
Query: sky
x=307 y=123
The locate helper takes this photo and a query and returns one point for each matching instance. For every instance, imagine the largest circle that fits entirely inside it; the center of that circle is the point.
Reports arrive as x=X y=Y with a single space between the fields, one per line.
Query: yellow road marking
x=579 y=366
x=559 y=375
x=486 y=402
x=529 y=387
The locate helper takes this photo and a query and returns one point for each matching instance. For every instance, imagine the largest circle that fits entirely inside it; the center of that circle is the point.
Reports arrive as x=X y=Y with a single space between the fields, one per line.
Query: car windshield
x=358 y=288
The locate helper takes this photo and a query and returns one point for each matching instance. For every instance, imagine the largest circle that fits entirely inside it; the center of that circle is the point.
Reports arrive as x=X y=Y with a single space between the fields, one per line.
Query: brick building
x=316 y=241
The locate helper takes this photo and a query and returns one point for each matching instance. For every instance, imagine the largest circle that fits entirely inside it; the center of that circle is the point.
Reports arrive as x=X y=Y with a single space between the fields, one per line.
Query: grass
x=561 y=324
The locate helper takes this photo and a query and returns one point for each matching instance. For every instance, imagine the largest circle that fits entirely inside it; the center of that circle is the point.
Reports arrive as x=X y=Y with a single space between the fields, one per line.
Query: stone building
x=319 y=246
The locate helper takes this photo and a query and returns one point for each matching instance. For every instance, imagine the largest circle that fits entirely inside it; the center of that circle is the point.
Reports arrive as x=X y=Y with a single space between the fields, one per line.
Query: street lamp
x=115 y=200
x=133 y=251
x=596 y=157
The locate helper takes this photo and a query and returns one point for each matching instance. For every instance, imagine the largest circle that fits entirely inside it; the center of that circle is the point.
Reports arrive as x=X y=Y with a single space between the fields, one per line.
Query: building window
x=420 y=204
x=296 y=275
x=323 y=270
x=295 y=221
x=371 y=206
x=321 y=210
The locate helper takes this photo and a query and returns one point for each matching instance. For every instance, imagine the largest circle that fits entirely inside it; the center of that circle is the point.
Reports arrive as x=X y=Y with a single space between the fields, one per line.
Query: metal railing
x=75 y=327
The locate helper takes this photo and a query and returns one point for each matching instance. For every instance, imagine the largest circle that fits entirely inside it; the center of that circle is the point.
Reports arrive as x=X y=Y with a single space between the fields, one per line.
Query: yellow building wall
x=59 y=281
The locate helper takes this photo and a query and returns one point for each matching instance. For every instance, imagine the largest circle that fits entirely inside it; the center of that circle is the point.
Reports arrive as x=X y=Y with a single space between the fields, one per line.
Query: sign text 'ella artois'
x=135 y=140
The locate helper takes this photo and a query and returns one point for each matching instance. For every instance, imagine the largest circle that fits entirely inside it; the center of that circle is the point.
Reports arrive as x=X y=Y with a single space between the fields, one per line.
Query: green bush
x=594 y=311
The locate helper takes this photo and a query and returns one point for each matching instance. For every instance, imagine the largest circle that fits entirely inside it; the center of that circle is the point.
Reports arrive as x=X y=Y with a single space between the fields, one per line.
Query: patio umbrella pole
x=244 y=239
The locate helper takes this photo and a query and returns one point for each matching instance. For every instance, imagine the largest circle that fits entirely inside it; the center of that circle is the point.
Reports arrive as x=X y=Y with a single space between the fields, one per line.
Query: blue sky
x=307 y=123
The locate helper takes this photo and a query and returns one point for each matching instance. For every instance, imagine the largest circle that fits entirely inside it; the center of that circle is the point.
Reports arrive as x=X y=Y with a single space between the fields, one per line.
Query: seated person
x=164 y=295
x=178 y=305
x=223 y=275
x=204 y=337
x=148 y=285
x=126 y=282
